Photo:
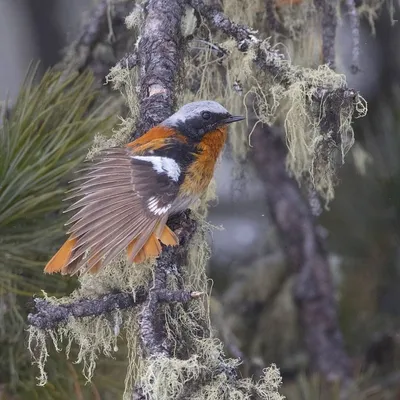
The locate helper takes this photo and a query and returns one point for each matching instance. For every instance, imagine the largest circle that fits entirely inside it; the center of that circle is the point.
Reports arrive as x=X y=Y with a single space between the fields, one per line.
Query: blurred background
x=362 y=226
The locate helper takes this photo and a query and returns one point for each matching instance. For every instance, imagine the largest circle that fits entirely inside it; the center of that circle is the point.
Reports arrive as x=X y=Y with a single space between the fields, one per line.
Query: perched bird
x=127 y=194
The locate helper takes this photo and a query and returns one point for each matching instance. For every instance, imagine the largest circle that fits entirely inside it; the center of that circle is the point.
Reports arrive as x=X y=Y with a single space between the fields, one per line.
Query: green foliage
x=44 y=135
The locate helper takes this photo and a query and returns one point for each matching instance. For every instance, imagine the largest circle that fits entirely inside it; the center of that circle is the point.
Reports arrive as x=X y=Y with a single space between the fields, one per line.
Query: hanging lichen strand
x=311 y=100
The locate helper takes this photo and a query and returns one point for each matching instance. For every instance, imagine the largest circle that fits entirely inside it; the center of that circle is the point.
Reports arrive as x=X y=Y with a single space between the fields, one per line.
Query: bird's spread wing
x=124 y=199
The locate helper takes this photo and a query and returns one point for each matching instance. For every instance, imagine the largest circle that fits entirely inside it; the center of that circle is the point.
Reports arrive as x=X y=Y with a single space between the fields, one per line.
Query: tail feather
x=140 y=257
x=60 y=262
x=168 y=237
x=152 y=247
x=61 y=258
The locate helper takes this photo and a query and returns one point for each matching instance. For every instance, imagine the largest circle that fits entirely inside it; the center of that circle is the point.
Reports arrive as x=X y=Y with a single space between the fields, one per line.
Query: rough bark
x=160 y=55
x=160 y=59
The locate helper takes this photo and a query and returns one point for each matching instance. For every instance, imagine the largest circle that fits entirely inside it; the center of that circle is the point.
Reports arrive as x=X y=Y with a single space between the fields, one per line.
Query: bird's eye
x=206 y=115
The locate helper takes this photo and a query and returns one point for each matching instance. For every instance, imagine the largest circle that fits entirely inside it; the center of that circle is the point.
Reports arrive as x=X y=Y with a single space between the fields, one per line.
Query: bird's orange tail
x=152 y=247
x=61 y=258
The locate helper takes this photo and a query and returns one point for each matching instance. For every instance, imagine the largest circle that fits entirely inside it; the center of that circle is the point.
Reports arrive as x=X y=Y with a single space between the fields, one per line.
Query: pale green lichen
x=312 y=156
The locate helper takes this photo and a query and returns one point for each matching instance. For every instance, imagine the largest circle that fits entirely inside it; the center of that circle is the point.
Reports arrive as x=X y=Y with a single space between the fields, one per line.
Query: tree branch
x=328 y=24
x=160 y=59
x=267 y=59
x=305 y=252
x=355 y=34
x=48 y=315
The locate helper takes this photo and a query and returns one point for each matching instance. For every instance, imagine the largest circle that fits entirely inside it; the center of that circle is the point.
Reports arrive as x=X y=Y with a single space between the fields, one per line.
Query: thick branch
x=306 y=254
x=160 y=59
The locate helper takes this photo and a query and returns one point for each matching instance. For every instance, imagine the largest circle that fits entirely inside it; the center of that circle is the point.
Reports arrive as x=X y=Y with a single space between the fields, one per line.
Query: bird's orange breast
x=200 y=172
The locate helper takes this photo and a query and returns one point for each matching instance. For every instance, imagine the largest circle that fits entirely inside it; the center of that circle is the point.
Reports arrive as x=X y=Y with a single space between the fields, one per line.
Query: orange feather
x=154 y=139
x=152 y=247
x=168 y=237
x=199 y=173
x=61 y=258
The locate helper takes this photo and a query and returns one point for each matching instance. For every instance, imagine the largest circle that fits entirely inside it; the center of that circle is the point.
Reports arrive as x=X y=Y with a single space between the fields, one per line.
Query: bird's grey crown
x=194 y=110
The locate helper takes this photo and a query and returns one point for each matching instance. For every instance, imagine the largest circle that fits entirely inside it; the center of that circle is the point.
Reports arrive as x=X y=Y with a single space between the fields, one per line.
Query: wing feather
x=119 y=201
x=103 y=214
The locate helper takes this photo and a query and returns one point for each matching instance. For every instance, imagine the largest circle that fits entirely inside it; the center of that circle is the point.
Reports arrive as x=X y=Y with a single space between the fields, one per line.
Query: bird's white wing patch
x=163 y=165
x=154 y=207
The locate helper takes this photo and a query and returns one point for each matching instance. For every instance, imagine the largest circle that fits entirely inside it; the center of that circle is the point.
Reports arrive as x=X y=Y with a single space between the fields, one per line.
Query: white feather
x=153 y=206
x=163 y=165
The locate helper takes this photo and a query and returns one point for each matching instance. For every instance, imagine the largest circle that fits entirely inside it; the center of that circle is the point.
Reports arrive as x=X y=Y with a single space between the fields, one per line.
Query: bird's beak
x=233 y=118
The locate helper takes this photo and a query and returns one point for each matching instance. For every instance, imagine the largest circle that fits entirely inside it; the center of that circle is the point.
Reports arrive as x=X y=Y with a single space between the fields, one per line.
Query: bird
x=124 y=197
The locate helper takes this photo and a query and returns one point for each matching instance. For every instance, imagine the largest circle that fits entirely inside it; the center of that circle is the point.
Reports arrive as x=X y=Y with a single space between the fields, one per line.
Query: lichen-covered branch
x=266 y=58
x=305 y=252
x=160 y=59
x=242 y=33
x=160 y=55
x=316 y=100
x=48 y=315
x=151 y=321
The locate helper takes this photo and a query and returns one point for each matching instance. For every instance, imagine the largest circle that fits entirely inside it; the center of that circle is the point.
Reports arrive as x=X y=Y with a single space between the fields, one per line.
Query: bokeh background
x=362 y=226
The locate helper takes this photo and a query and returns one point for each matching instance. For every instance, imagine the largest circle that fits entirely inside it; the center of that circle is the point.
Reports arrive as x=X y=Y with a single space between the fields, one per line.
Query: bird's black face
x=197 y=126
x=196 y=119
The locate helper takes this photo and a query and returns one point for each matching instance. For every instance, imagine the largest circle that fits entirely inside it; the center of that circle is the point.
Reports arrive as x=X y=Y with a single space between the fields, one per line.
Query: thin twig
x=129 y=61
x=328 y=24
